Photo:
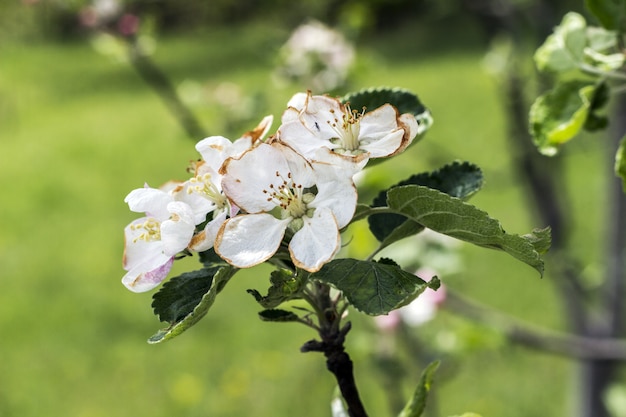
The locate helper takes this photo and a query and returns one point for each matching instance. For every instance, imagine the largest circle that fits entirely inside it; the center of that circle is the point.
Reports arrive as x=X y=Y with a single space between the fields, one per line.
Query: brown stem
x=338 y=362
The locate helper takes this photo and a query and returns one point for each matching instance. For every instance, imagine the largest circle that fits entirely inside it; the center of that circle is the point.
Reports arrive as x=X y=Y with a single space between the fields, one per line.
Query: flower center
x=203 y=185
x=151 y=230
x=347 y=129
x=290 y=197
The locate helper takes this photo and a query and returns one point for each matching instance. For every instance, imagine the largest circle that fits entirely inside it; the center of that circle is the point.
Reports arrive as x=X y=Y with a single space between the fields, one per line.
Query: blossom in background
x=151 y=242
x=419 y=311
x=283 y=193
x=313 y=122
x=316 y=56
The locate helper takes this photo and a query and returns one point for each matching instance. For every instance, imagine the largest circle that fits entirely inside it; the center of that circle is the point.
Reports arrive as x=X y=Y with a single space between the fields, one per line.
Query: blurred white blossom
x=316 y=56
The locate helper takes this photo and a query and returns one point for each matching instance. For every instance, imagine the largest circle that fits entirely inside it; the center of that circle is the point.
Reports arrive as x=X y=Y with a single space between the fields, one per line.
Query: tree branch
x=549 y=341
x=161 y=84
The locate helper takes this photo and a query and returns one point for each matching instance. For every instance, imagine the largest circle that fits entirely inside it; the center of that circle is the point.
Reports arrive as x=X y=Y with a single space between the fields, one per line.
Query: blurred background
x=94 y=98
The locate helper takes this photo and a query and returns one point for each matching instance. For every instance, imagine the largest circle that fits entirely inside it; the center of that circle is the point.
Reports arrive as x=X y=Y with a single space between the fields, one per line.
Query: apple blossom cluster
x=288 y=195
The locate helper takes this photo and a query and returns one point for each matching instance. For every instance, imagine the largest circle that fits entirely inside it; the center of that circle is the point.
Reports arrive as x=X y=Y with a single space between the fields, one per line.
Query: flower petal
x=137 y=250
x=250 y=239
x=214 y=150
x=317 y=242
x=177 y=232
x=205 y=239
x=335 y=191
x=246 y=180
x=141 y=280
x=149 y=200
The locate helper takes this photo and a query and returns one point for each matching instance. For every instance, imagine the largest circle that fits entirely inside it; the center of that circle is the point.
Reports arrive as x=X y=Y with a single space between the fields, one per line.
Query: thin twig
x=545 y=340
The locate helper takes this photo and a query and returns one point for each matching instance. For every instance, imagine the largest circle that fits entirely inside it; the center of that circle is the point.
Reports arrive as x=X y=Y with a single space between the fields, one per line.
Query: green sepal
x=415 y=407
x=277 y=315
x=560 y=114
x=453 y=217
x=458 y=179
x=285 y=286
x=371 y=287
x=620 y=162
x=184 y=300
x=610 y=13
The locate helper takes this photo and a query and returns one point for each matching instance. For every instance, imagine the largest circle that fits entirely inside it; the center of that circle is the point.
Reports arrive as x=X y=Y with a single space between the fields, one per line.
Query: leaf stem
x=589 y=69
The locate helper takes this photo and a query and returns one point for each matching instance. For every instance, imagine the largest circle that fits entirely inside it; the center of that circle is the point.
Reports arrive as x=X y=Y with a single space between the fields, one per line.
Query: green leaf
x=560 y=114
x=453 y=217
x=374 y=288
x=285 y=286
x=184 y=300
x=459 y=179
x=277 y=315
x=417 y=404
x=610 y=13
x=563 y=50
x=620 y=162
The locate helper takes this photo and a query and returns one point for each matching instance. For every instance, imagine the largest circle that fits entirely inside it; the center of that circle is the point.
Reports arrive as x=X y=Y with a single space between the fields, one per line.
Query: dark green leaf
x=184 y=300
x=610 y=13
x=374 y=288
x=372 y=98
x=459 y=179
x=210 y=258
x=278 y=315
x=415 y=407
x=453 y=217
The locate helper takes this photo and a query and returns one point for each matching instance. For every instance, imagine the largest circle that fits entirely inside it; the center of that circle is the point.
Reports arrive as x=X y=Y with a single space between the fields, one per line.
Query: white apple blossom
x=204 y=191
x=152 y=242
x=312 y=122
x=282 y=194
x=316 y=55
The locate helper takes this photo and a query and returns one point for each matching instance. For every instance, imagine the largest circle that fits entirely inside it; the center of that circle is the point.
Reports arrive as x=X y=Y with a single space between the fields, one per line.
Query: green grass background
x=78 y=131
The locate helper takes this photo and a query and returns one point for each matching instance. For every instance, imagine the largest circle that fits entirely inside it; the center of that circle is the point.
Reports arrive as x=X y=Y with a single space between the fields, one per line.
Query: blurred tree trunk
x=601 y=317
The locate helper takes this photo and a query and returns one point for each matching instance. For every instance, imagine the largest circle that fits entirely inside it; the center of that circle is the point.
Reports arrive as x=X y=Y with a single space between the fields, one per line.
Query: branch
x=517 y=331
x=338 y=362
x=156 y=79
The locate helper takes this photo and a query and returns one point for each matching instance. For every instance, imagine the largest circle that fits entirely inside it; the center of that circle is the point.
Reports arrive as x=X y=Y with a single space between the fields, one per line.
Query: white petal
x=337 y=192
x=300 y=169
x=298 y=101
x=303 y=139
x=250 y=239
x=214 y=150
x=245 y=179
x=317 y=242
x=379 y=121
x=205 y=239
x=139 y=251
x=149 y=200
x=387 y=145
x=408 y=122
x=141 y=280
x=177 y=232
x=253 y=136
